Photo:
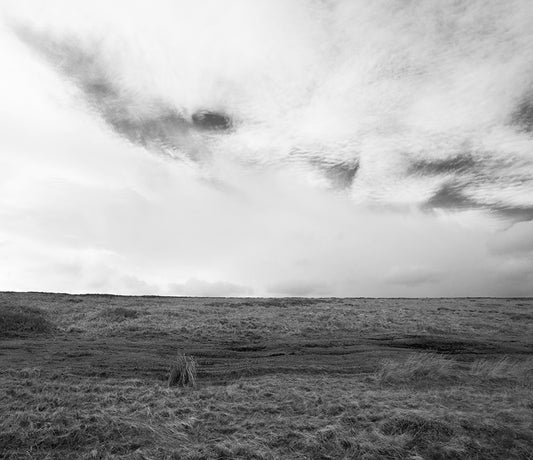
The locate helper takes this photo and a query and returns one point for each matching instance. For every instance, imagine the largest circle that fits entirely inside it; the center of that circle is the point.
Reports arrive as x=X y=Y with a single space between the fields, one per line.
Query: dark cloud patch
x=341 y=175
x=165 y=131
x=459 y=164
x=472 y=179
x=450 y=196
x=75 y=62
x=515 y=213
x=208 y=120
x=522 y=116
x=151 y=124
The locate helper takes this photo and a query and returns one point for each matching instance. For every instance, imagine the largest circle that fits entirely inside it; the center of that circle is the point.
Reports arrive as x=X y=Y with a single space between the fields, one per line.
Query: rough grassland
x=86 y=377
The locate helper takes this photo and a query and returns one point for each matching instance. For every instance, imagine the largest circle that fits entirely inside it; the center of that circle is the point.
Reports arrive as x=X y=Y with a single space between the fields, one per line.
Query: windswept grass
x=270 y=418
x=299 y=379
x=504 y=369
x=183 y=371
x=432 y=369
x=417 y=368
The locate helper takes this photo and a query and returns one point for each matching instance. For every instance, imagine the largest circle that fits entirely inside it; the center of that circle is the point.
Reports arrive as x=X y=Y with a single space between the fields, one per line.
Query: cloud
x=460 y=163
x=152 y=124
x=450 y=197
x=31 y=266
x=299 y=288
x=360 y=140
x=516 y=241
x=353 y=96
x=523 y=114
x=413 y=275
x=197 y=287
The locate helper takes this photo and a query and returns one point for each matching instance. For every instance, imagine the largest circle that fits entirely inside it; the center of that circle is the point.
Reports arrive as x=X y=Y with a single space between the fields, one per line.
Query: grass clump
x=417 y=368
x=183 y=371
x=19 y=321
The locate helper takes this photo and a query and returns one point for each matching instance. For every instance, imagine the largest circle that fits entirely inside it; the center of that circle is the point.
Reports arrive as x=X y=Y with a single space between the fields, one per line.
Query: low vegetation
x=504 y=369
x=118 y=314
x=18 y=320
x=419 y=368
x=265 y=379
x=423 y=369
x=269 y=417
x=183 y=371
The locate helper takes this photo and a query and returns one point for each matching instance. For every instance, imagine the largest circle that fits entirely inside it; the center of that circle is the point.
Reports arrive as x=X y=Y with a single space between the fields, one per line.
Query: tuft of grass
x=19 y=320
x=417 y=368
x=183 y=371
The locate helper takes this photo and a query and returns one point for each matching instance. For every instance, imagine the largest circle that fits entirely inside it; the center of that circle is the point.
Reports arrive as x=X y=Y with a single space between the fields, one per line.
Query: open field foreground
x=86 y=377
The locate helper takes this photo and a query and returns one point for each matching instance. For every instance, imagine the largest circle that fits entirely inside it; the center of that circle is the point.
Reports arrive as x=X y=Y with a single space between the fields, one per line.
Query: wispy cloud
x=153 y=124
x=423 y=123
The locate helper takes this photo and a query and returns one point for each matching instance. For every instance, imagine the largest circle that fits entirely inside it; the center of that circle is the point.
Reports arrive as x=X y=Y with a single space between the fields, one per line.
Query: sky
x=267 y=147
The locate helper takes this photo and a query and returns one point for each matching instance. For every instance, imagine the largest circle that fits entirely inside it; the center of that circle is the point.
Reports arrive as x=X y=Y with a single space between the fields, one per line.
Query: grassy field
x=86 y=377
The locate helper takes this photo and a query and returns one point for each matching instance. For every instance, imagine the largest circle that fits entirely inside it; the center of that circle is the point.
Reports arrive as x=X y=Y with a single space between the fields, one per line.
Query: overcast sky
x=354 y=148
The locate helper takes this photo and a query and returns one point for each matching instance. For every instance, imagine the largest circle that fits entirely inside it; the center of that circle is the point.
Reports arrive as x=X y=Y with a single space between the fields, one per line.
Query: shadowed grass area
x=21 y=320
x=277 y=378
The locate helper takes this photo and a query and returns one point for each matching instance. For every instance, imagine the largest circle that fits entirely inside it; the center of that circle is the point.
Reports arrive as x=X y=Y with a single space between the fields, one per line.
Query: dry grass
x=268 y=319
x=520 y=371
x=183 y=371
x=417 y=368
x=272 y=417
x=118 y=314
x=279 y=379
x=433 y=369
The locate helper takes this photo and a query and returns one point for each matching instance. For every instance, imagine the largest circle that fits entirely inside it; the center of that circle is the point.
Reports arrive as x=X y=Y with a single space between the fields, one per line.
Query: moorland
x=85 y=376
